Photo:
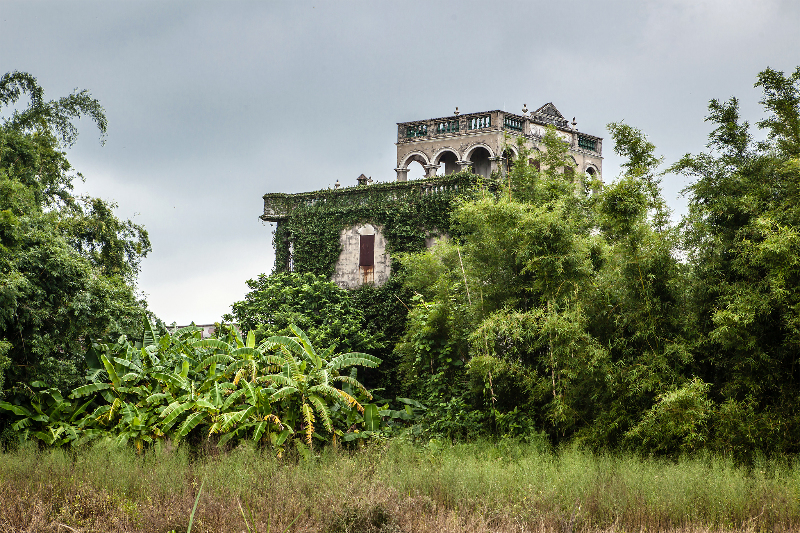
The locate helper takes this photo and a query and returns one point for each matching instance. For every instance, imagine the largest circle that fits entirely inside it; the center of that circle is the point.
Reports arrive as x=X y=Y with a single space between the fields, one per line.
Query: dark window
x=367 y=255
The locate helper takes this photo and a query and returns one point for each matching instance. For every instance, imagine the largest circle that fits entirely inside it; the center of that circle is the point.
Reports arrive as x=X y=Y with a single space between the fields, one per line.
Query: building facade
x=475 y=143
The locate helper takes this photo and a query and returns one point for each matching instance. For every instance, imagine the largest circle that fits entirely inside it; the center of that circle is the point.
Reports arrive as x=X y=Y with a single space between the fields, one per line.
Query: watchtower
x=476 y=141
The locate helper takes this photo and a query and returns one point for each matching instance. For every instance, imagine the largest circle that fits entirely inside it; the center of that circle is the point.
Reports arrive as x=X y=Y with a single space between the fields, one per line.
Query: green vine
x=407 y=212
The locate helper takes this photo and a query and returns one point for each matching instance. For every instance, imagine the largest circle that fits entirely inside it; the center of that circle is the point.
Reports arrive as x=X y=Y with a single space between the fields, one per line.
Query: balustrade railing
x=587 y=143
x=477 y=123
x=512 y=123
x=416 y=130
x=451 y=126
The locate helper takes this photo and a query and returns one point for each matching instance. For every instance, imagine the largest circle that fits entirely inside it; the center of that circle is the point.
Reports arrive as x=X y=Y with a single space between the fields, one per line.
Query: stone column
x=464 y=165
x=430 y=170
x=495 y=164
x=402 y=174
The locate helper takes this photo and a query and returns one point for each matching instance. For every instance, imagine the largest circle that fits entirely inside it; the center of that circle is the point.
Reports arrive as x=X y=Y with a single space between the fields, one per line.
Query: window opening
x=367 y=252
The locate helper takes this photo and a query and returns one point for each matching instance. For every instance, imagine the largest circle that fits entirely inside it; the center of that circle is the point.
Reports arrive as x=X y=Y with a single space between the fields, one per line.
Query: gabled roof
x=550 y=109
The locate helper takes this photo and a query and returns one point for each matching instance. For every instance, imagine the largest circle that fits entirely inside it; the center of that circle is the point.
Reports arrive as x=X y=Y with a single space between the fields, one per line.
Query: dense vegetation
x=560 y=309
x=67 y=264
x=581 y=310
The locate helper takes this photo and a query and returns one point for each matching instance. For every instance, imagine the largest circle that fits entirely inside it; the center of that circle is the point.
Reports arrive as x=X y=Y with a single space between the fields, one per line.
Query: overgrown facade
x=348 y=234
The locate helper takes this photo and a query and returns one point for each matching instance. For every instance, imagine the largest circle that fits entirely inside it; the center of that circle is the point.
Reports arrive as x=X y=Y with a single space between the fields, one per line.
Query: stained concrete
x=347 y=273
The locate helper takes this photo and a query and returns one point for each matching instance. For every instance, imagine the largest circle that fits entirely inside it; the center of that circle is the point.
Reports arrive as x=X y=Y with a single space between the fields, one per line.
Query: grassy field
x=392 y=487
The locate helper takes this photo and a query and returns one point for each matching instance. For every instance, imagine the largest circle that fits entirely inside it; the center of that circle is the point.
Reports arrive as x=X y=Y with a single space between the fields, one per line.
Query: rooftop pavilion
x=476 y=142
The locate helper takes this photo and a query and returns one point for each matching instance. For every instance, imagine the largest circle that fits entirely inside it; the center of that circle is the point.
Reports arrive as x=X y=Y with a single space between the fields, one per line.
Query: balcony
x=513 y=123
x=587 y=143
x=450 y=126
x=479 y=123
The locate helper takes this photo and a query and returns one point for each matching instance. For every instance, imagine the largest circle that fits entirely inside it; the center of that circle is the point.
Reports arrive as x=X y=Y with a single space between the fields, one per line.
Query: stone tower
x=476 y=141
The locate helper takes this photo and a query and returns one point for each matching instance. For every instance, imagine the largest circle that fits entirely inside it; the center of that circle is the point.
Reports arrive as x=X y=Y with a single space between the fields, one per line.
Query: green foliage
x=742 y=239
x=54 y=117
x=311 y=302
x=677 y=423
x=406 y=215
x=782 y=100
x=579 y=314
x=67 y=265
x=180 y=386
x=563 y=328
x=315 y=224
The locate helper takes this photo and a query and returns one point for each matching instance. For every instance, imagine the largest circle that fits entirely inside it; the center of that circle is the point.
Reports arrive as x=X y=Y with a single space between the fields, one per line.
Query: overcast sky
x=212 y=104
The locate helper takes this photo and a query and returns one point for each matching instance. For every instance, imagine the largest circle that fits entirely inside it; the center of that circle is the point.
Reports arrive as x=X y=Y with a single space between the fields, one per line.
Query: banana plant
x=177 y=384
x=306 y=383
x=48 y=418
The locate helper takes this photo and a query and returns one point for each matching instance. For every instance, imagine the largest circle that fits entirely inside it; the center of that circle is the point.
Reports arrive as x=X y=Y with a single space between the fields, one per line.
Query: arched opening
x=447 y=162
x=415 y=170
x=591 y=172
x=480 y=161
x=415 y=163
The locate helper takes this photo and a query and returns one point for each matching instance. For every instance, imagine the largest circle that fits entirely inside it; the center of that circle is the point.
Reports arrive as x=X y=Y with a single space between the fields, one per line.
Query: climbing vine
x=407 y=212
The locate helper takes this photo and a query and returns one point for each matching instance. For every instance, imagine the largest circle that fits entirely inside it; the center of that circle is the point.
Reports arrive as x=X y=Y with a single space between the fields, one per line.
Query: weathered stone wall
x=480 y=149
x=347 y=272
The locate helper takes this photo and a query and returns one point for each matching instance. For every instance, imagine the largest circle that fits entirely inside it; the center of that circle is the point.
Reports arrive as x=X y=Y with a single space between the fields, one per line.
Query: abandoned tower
x=347 y=233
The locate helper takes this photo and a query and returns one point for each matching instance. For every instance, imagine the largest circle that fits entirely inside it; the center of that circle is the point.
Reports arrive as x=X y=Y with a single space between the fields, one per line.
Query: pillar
x=464 y=165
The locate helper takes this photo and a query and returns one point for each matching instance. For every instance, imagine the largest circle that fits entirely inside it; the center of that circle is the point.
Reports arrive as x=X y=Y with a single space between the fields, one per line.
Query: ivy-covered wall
x=408 y=212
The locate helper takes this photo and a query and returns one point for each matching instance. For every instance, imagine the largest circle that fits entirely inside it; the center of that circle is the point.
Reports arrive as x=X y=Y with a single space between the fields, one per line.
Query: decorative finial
x=456 y=113
x=337 y=184
x=574 y=123
x=525 y=110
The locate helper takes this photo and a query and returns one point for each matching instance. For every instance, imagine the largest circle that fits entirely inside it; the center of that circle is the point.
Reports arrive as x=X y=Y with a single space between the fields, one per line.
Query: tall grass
x=477 y=487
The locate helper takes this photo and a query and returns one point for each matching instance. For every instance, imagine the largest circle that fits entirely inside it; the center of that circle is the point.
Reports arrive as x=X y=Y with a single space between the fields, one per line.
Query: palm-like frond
x=282 y=393
x=353 y=383
x=353 y=359
x=91 y=388
x=245 y=352
x=288 y=343
x=190 y=423
x=278 y=379
x=233 y=398
x=172 y=412
x=350 y=401
x=308 y=348
x=215 y=344
x=308 y=418
x=237 y=417
x=219 y=358
x=322 y=411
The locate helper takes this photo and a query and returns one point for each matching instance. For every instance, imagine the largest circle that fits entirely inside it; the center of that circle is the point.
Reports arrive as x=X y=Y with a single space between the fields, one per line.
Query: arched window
x=448 y=163
x=480 y=161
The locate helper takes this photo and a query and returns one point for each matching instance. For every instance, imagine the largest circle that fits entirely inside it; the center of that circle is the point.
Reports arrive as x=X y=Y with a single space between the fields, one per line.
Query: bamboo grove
x=560 y=308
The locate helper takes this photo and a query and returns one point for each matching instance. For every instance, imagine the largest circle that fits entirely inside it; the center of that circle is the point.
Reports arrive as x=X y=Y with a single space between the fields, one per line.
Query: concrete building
x=477 y=142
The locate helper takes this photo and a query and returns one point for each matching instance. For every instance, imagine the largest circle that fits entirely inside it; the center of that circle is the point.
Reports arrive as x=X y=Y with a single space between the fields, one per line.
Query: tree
x=636 y=303
x=309 y=301
x=744 y=243
x=67 y=264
